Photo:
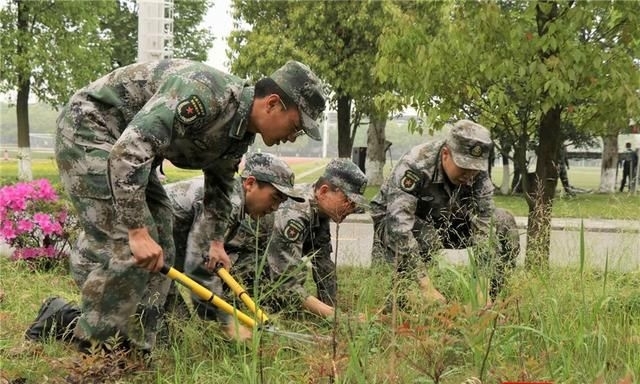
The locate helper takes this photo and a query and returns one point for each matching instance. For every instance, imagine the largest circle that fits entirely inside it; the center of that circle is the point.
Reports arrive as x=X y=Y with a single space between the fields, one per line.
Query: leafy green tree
x=52 y=48
x=190 y=39
x=338 y=39
x=520 y=68
x=49 y=48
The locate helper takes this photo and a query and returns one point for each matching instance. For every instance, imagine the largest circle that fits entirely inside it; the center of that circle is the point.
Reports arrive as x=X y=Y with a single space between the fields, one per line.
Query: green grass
x=41 y=168
x=565 y=326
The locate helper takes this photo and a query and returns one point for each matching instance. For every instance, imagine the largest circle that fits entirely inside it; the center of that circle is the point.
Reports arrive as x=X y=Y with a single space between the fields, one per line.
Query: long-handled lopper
x=205 y=294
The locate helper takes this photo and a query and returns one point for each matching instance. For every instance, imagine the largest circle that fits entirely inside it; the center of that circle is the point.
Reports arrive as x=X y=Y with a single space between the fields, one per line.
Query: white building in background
x=155 y=29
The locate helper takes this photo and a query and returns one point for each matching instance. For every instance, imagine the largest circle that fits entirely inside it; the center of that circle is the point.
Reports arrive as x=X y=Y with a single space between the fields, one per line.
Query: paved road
x=619 y=240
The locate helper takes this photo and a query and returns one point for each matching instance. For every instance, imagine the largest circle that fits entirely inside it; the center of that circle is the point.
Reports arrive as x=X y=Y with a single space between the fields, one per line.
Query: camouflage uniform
x=272 y=257
x=418 y=211
x=111 y=137
x=189 y=233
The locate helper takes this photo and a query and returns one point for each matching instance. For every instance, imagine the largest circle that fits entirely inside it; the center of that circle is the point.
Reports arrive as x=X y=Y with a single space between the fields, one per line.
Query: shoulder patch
x=409 y=181
x=190 y=109
x=293 y=230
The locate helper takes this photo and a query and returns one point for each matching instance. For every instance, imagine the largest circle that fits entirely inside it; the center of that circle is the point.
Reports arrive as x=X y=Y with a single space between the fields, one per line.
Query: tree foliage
x=523 y=69
x=51 y=48
x=338 y=39
x=55 y=46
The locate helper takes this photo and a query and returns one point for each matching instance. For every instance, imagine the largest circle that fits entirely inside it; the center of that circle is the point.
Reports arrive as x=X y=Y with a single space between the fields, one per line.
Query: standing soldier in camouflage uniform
x=263 y=185
x=293 y=231
x=439 y=195
x=111 y=137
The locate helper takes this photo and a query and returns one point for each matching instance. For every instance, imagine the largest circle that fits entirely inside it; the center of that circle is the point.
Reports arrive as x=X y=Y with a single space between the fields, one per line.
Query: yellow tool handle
x=206 y=295
x=242 y=294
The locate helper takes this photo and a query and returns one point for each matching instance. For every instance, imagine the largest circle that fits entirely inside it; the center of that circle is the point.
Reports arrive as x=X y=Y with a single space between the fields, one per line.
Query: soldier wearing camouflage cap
x=295 y=232
x=265 y=182
x=439 y=195
x=115 y=132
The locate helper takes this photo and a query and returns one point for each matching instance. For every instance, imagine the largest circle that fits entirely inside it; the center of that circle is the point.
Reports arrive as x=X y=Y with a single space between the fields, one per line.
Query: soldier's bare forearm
x=313 y=305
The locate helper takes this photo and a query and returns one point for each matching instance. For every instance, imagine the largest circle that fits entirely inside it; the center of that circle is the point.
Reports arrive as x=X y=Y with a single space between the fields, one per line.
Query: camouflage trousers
x=493 y=257
x=117 y=297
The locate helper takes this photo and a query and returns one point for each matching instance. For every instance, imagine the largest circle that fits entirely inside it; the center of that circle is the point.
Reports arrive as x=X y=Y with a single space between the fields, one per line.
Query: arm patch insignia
x=293 y=230
x=409 y=181
x=190 y=109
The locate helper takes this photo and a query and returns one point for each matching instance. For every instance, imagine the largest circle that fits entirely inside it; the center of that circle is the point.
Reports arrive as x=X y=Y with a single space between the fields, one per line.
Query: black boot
x=56 y=318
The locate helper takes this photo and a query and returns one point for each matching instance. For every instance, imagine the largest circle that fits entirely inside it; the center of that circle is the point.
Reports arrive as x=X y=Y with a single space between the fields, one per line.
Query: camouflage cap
x=345 y=175
x=304 y=88
x=270 y=169
x=470 y=145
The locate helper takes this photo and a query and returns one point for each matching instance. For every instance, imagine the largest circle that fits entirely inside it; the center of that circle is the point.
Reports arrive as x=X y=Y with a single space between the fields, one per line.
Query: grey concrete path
x=617 y=240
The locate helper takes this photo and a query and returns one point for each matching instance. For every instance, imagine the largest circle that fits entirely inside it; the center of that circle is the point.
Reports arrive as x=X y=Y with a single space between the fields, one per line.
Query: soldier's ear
x=272 y=101
x=322 y=191
x=249 y=183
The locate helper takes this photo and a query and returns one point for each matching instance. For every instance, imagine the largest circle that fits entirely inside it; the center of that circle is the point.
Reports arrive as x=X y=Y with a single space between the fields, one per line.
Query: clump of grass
x=570 y=324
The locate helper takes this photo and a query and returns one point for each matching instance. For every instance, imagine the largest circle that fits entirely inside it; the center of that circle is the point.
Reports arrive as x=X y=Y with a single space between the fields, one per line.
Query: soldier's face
x=455 y=174
x=261 y=198
x=282 y=124
x=334 y=204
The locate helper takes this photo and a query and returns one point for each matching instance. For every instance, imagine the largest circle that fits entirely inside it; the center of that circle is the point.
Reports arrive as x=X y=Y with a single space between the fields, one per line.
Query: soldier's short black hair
x=323 y=181
x=266 y=86
x=261 y=184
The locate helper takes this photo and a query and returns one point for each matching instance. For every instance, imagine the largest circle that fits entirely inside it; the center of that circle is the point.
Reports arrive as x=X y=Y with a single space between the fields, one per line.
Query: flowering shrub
x=34 y=222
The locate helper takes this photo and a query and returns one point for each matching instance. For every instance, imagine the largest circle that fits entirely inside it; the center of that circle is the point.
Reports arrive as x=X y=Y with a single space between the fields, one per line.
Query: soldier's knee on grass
x=508 y=235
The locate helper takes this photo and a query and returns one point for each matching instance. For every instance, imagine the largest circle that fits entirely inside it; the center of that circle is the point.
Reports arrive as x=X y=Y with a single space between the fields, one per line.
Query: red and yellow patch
x=190 y=109
x=293 y=230
x=409 y=180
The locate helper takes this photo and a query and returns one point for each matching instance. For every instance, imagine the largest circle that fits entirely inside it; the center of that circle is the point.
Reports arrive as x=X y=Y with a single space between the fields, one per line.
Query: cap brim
x=473 y=163
x=310 y=126
x=289 y=192
x=361 y=201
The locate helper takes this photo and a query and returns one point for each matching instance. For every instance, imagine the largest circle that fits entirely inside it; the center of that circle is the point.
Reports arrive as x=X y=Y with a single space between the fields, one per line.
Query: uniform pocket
x=91 y=185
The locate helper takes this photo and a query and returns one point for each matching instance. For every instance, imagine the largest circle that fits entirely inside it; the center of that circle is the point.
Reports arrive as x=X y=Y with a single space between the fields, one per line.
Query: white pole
x=325 y=134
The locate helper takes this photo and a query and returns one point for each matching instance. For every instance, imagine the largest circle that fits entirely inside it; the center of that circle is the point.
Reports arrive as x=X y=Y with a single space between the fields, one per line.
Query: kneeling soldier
x=275 y=271
x=439 y=195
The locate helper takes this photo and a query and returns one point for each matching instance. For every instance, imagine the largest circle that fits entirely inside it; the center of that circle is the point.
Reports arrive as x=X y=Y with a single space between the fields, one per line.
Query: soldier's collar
x=241 y=120
x=438 y=172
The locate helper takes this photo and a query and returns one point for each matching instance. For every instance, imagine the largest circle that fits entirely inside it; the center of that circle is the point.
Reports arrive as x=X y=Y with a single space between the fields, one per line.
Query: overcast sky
x=219 y=20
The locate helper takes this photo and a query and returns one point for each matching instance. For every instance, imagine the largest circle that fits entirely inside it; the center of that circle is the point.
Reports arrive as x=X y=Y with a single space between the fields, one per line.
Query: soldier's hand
x=146 y=252
x=217 y=254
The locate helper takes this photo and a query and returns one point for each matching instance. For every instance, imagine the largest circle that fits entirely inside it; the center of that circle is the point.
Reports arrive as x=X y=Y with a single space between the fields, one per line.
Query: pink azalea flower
x=7 y=232
x=44 y=190
x=24 y=226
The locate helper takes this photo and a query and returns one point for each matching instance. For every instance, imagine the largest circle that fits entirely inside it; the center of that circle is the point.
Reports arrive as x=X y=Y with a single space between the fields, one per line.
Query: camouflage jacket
x=187 y=203
x=180 y=110
x=418 y=191
x=287 y=236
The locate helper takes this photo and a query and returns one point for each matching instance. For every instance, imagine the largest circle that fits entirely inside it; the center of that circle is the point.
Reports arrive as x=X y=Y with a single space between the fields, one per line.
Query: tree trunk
x=22 y=103
x=344 y=127
x=519 y=181
x=376 y=149
x=539 y=223
x=609 y=164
